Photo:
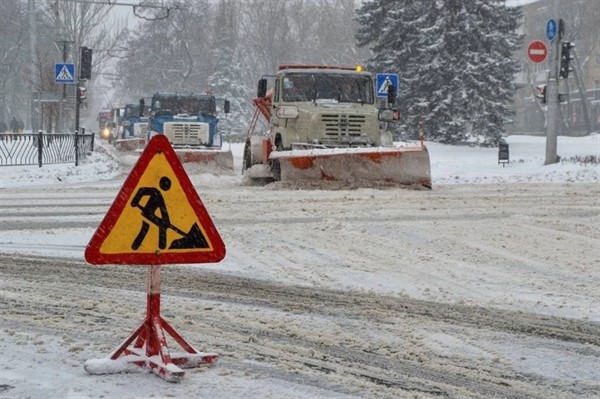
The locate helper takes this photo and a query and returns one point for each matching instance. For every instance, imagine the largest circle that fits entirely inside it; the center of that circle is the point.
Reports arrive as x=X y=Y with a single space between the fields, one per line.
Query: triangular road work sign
x=157 y=218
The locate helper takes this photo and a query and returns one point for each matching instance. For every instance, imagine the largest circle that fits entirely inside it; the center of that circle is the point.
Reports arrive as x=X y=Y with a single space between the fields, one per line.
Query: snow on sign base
x=157 y=218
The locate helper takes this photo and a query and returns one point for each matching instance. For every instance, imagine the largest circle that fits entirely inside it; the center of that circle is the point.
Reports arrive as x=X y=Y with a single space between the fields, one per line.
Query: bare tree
x=13 y=58
x=298 y=32
x=170 y=54
x=77 y=24
x=265 y=29
x=90 y=25
x=335 y=32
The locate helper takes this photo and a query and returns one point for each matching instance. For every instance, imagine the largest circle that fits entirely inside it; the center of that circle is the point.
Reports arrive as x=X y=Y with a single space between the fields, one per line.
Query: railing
x=42 y=148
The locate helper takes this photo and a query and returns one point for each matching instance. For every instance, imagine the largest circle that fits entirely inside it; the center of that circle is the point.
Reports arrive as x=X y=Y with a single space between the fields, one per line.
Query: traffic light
x=541 y=93
x=82 y=93
x=391 y=94
x=85 y=63
x=565 y=59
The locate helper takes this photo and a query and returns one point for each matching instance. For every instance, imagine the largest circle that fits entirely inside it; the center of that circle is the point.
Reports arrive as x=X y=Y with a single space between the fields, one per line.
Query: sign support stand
x=149 y=350
x=157 y=183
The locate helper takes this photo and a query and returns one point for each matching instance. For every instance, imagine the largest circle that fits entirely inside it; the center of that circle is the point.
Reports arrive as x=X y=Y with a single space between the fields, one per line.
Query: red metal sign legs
x=149 y=350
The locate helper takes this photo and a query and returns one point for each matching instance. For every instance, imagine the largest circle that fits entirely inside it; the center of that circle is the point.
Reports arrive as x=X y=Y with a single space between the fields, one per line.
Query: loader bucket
x=394 y=165
x=217 y=159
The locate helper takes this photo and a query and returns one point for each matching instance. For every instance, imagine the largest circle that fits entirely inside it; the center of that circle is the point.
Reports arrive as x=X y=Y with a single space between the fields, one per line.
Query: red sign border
x=543 y=46
x=158 y=144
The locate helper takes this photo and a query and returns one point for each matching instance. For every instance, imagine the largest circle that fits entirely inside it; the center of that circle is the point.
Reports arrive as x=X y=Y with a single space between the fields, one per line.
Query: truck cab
x=328 y=107
x=134 y=122
x=105 y=125
x=188 y=120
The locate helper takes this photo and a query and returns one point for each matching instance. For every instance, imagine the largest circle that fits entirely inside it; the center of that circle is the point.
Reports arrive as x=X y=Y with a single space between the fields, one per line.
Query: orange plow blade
x=218 y=159
x=395 y=165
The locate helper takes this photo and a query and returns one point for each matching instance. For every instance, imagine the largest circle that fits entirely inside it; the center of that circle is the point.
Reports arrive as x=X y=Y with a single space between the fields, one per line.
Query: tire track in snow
x=214 y=308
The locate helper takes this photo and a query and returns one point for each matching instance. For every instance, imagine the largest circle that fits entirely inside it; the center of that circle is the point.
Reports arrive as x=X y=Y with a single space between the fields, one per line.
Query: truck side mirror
x=142 y=104
x=262 y=88
x=391 y=95
x=226 y=106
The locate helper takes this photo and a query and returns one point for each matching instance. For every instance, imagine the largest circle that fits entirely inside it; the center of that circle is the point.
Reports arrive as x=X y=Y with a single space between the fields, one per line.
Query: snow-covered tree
x=226 y=80
x=454 y=62
x=14 y=46
x=77 y=24
x=169 y=54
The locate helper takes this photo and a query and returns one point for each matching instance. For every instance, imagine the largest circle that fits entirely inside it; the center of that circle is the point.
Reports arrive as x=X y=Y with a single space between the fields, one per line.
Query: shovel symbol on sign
x=192 y=239
x=155 y=211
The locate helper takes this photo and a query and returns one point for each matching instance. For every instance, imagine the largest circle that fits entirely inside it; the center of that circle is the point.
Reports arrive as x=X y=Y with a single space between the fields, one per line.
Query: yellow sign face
x=157 y=217
x=132 y=224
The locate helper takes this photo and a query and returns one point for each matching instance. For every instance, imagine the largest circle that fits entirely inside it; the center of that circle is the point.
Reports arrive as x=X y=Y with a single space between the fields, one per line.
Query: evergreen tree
x=454 y=62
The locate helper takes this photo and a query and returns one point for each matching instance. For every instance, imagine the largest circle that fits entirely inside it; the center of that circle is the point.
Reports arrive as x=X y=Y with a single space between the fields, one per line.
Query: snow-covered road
x=464 y=291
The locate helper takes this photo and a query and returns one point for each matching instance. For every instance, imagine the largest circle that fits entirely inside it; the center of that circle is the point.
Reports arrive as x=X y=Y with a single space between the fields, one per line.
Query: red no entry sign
x=537 y=51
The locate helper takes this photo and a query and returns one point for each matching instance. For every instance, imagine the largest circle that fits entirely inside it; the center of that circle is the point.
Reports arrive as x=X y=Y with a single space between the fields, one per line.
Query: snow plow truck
x=134 y=121
x=133 y=127
x=326 y=123
x=189 y=120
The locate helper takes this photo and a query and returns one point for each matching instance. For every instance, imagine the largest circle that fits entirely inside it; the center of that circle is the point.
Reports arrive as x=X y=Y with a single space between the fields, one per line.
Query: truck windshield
x=191 y=105
x=104 y=118
x=337 y=87
x=131 y=111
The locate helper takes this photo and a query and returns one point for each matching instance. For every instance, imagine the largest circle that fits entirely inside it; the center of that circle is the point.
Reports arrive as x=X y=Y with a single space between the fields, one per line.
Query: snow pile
x=449 y=165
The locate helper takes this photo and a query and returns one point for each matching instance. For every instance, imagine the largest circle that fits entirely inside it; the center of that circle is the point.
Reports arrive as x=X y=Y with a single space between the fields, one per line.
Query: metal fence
x=43 y=148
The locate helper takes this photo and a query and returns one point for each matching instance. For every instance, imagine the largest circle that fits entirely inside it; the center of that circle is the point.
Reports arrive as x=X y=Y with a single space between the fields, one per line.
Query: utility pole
x=552 y=114
x=64 y=46
x=35 y=107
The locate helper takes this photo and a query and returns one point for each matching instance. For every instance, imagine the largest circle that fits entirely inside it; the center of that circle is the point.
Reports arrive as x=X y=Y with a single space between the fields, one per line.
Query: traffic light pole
x=84 y=73
x=552 y=115
x=77 y=105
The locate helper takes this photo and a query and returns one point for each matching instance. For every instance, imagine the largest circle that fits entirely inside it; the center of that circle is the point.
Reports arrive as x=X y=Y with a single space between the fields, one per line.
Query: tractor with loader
x=325 y=123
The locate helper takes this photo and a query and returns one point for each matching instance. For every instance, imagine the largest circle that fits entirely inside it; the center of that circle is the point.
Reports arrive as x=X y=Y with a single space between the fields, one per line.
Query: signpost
x=157 y=218
x=537 y=51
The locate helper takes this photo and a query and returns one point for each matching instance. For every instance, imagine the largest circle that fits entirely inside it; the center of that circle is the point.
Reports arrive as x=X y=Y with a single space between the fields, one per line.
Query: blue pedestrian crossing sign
x=551 y=29
x=64 y=73
x=384 y=80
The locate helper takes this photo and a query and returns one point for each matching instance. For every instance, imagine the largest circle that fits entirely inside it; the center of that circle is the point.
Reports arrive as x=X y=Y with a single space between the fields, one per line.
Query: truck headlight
x=287 y=111
x=386 y=115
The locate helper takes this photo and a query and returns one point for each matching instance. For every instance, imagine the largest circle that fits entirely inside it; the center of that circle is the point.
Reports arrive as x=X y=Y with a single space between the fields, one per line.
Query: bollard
x=76 y=149
x=503 y=154
x=40 y=147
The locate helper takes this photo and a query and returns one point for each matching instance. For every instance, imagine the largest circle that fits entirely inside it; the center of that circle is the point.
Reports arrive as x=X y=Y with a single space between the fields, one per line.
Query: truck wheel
x=275 y=165
x=276 y=169
x=247 y=161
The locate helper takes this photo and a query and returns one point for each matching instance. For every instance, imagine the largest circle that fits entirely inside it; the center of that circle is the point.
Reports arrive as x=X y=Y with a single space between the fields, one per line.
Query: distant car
x=105 y=125
x=106 y=133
